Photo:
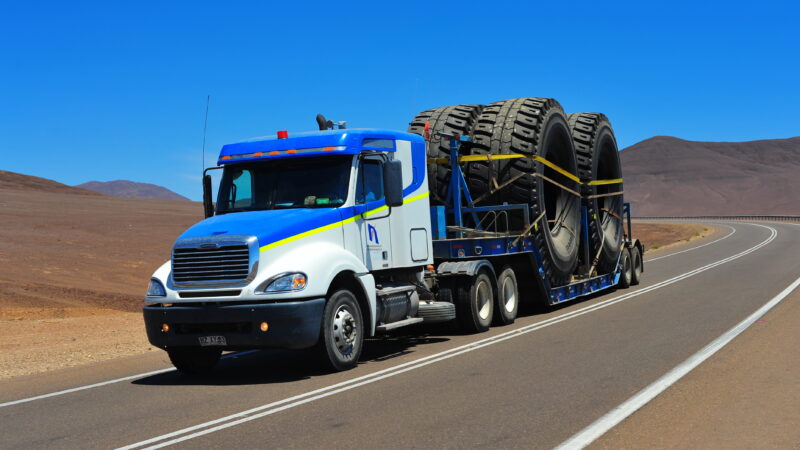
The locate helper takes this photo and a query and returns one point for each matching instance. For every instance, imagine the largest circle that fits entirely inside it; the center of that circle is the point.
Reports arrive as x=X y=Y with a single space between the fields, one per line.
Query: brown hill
x=669 y=176
x=131 y=189
x=61 y=253
x=18 y=181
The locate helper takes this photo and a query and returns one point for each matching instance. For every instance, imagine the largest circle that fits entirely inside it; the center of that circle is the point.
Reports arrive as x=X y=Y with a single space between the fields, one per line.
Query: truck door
x=375 y=224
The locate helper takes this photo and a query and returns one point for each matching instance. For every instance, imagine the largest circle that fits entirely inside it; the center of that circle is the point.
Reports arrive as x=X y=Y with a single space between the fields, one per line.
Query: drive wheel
x=636 y=265
x=475 y=302
x=194 y=360
x=507 y=297
x=342 y=331
x=627 y=270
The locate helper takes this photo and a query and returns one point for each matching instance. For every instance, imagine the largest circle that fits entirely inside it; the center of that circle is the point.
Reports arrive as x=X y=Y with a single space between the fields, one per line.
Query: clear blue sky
x=104 y=91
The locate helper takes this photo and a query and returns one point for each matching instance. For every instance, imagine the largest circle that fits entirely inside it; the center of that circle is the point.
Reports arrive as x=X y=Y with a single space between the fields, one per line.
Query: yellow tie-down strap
x=537 y=158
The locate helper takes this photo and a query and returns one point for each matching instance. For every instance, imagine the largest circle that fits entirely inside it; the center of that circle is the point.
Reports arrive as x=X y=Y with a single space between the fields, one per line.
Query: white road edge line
x=621 y=412
x=733 y=230
x=291 y=402
x=105 y=383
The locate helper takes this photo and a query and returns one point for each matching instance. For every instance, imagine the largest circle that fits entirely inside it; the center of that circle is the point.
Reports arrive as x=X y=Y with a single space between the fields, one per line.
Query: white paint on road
x=621 y=412
x=308 y=397
x=106 y=383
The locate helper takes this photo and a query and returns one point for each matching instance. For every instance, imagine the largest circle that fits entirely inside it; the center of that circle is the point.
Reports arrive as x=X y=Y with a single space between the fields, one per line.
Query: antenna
x=205 y=127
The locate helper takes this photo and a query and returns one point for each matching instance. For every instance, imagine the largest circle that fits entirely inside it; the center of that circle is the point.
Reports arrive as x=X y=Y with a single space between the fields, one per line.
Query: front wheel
x=342 y=331
x=194 y=360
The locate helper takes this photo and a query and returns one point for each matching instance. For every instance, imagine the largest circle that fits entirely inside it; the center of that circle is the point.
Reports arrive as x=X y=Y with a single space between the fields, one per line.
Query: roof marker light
x=283 y=134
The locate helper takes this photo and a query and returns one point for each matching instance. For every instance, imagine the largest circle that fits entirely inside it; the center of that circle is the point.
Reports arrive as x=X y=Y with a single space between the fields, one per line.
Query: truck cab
x=315 y=239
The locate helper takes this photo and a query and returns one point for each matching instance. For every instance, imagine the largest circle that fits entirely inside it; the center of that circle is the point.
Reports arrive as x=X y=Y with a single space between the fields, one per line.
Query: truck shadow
x=286 y=366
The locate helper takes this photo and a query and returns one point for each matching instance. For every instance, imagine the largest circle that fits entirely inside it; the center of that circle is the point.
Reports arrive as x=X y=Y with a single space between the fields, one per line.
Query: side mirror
x=393 y=183
x=208 y=205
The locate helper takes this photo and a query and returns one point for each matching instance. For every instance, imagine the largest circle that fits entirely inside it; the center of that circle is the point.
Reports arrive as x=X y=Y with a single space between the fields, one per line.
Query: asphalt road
x=533 y=384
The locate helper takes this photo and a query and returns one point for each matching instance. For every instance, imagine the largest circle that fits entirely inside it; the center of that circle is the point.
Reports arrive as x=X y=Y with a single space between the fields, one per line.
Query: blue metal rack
x=453 y=245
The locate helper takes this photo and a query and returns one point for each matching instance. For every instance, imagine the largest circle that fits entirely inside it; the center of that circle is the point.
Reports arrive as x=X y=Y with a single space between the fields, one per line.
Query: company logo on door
x=372 y=234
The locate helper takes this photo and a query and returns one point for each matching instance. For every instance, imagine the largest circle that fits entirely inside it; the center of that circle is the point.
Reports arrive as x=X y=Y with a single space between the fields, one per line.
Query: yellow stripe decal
x=337 y=224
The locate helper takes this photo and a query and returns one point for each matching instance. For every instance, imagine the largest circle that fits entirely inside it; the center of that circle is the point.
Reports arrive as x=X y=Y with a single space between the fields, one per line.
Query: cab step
x=398 y=324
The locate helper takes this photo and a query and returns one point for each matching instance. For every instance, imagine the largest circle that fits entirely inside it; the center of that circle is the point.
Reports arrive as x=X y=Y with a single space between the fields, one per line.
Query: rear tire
x=342 y=331
x=194 y=361
x=626 y=273
x=475 y=302
x=636 y=265
x=507 y=298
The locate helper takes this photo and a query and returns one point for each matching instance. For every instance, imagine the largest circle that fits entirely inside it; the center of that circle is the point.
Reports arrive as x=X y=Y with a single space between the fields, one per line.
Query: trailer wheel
x=194 y=360
x=598 y=159
x=475 y=302
x=448 y=120
x=342 y=331
x=507 y=298
x=636 y=265
x=531 y=127
x=626 y=274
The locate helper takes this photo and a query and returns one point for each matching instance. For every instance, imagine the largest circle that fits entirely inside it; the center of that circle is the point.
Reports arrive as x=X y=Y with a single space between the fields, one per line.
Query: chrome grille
x=205 y=262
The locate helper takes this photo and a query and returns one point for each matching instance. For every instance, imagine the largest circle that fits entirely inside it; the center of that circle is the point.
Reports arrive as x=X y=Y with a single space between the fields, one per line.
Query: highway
x=563 y=376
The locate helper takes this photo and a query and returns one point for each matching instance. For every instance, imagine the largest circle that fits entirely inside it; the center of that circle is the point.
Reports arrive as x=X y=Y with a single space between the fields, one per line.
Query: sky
x=113 y=90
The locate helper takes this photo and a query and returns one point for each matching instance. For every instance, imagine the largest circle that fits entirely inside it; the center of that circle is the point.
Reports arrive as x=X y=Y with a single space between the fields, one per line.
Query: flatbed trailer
x=498 y=248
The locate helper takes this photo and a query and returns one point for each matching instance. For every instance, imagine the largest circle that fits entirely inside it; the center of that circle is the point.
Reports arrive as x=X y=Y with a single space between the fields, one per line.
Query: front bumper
x=291 y=325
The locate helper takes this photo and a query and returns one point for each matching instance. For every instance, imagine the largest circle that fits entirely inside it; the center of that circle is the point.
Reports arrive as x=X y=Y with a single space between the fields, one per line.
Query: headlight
x=156 y=289
x=285 y=282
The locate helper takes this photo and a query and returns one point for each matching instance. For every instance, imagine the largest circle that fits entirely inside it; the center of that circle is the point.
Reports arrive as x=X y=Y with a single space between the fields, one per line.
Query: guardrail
x=758 y=218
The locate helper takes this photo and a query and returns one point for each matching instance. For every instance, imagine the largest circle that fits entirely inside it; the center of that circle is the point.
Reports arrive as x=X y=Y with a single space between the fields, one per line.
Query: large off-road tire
x=194 y=361
x=446 y=119
x=531 y=126
x=598 y=159
x=475 y=302
x=342 y=334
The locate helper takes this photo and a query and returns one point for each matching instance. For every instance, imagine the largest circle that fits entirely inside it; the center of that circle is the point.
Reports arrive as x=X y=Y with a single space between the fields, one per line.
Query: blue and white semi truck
x=325 y=238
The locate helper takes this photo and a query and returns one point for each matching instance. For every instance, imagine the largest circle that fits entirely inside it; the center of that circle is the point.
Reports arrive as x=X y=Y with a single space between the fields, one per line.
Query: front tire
x=342 y=331
x=194 y=361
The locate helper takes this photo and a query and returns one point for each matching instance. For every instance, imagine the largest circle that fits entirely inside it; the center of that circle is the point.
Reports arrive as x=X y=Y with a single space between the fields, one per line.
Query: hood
x=268 y=226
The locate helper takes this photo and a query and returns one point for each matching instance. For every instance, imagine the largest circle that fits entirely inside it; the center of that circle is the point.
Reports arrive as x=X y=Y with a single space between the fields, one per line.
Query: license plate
x=212 y=340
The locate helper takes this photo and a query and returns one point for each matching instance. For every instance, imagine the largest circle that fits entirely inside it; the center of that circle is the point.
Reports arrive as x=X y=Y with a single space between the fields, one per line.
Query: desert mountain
x=131 y=189
x=669 y=176
x=18 y=181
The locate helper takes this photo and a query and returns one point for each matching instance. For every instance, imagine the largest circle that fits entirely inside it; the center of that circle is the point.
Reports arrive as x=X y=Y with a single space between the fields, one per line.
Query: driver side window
x=370 y=181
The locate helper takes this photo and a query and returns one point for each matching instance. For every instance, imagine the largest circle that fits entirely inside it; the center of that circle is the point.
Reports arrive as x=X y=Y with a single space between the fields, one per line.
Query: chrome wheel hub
x=345 y=330
x=483 y=291
x=509 y=297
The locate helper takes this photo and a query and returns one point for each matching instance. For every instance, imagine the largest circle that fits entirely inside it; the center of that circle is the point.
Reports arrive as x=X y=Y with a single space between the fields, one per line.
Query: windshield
x=285 y=183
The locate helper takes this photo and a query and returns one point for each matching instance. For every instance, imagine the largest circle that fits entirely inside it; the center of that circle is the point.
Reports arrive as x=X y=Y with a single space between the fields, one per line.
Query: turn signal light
x=164 y=327
x=264 y=327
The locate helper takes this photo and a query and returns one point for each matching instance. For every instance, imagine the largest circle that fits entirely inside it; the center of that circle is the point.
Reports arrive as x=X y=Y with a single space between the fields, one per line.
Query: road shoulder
x=745 y=396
